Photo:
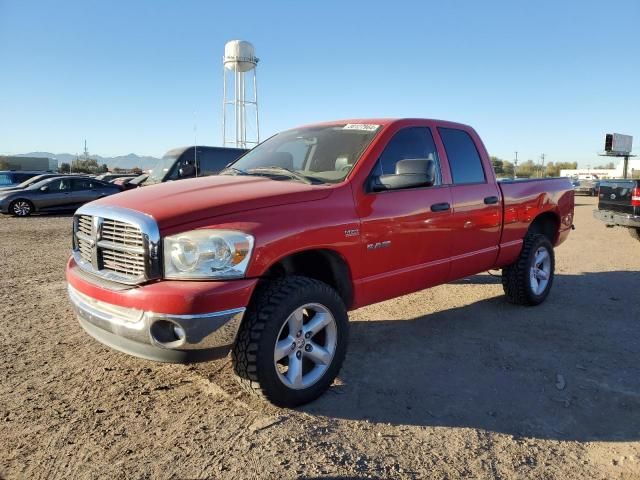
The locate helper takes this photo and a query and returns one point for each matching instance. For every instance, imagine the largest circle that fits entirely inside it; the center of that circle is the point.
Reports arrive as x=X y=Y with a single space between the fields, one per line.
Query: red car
x=269 y=256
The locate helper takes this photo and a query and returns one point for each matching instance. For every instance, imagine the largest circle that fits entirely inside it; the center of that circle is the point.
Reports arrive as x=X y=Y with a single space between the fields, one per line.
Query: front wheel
x=21 y=208
x=292 y=342
x=528 y=280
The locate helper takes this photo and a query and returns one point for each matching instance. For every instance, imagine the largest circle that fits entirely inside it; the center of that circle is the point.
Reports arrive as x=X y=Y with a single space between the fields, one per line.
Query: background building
x=634 y=171
x=8 y=162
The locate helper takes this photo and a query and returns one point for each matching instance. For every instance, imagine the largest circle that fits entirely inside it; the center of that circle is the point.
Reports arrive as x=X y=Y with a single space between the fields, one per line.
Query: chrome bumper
x=157 y=336
x=615 y=218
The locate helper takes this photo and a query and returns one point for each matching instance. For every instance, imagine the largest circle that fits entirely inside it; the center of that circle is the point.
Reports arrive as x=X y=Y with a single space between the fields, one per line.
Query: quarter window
x=408 y=143
x=464 y=160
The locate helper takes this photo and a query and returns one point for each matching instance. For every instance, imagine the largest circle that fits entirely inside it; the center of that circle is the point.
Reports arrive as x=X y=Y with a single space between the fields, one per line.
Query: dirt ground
x=448 y=383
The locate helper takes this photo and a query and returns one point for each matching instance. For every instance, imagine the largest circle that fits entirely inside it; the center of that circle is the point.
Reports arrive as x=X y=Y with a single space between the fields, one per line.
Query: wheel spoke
x=317 y=323
x=318 y=354
x=542 y=275
x=294 y=372
x=295 y=321
x=283 y=348
x=541 y=256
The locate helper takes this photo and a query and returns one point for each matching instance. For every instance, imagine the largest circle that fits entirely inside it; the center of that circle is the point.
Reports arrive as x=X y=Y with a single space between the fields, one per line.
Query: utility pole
x=515 y=166
x=542 y=167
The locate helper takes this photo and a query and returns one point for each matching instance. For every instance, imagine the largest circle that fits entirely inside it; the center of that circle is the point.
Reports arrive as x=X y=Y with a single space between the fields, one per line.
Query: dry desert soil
x=447 y=383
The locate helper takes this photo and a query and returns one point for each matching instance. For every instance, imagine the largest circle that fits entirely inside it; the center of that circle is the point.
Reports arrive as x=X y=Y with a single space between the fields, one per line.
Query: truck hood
x=187 y=201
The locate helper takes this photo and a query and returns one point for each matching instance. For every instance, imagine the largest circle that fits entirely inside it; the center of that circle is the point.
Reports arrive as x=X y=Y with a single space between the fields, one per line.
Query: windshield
x=321 y=154
x=160 y=169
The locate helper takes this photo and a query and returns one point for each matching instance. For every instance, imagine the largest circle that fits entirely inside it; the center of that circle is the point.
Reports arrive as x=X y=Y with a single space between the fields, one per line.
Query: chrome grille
x=121 y=232
x=119 y=246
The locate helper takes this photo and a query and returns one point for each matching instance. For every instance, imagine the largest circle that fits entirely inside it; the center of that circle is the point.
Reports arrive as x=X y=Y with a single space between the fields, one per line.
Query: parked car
x=189 y=162
x=586 y=187
x=269 y=256
x=12 y=178
x=130 y=183
x=619 y=205
x=110 y=177
x=54 y=194
x=30 y=181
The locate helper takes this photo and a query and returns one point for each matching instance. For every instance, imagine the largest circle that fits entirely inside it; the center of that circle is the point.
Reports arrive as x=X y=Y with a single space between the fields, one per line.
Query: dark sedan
x=55 y=194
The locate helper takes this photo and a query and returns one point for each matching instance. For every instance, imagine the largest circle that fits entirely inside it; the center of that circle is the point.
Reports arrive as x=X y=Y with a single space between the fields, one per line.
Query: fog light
x=168 y=334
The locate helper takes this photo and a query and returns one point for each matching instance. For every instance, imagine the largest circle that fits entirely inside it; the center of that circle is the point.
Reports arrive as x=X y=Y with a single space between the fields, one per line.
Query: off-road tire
x=635 y=233
x=515 y=277
x=18 y=201
x=253 y=351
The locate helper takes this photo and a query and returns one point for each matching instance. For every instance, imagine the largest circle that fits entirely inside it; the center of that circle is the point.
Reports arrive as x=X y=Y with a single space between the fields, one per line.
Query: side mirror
x=410 y=173
x=187 y=170
x=44 y=188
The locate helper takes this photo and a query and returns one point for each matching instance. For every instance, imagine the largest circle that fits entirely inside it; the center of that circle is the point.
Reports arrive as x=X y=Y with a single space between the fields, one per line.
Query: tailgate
x=615 y=195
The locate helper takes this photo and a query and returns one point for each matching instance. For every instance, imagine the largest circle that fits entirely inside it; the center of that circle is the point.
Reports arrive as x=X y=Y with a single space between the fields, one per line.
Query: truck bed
x=524 y=200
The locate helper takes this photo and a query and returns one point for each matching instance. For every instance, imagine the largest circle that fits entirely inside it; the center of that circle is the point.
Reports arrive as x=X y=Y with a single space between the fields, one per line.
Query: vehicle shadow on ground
x=563 y=370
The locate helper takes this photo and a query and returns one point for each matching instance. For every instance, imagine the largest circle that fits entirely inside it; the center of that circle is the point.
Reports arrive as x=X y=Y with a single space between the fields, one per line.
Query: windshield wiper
x=236 y=171
x=277 y=170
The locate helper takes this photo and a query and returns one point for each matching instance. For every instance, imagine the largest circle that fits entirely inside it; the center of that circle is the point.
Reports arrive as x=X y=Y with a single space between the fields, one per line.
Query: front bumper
x=619 y=219
x=158 y=336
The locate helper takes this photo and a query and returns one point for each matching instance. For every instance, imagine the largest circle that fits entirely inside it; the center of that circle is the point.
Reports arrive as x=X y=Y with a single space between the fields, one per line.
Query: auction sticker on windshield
x=367 y=127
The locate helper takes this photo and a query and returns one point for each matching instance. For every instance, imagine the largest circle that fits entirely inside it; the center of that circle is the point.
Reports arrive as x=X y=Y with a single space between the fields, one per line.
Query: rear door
x=477 y=205
x=84 y=190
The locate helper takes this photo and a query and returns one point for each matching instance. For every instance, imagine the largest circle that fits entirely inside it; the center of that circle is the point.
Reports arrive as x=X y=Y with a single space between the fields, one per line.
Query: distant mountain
x=123 y=161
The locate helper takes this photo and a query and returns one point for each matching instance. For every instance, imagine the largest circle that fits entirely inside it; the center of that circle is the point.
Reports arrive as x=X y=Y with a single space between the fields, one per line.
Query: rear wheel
x=635 y=233
x=292 y=342
x=528 y=281
x=21 y=208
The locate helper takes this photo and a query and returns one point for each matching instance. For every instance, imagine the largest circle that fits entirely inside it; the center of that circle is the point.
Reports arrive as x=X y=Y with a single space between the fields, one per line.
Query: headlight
x=207 y=254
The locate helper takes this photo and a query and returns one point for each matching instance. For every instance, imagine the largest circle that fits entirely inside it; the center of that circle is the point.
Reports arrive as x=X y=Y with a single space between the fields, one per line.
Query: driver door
x=57 y=194
x=406 y=233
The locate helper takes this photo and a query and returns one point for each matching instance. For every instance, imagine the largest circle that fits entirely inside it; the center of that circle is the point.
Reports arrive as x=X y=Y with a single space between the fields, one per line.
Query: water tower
x=240 y=126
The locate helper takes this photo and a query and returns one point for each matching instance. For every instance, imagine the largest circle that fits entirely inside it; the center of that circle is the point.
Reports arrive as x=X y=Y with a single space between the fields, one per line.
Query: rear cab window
x=464 y=160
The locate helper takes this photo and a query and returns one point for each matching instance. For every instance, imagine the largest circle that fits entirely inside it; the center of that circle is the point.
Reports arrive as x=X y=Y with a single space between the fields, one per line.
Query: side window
x=412 y=142
x=464 y=159
x=82 y=184
x=21 y=177
x=60 y=185
x=5 y=179
x=212 y=161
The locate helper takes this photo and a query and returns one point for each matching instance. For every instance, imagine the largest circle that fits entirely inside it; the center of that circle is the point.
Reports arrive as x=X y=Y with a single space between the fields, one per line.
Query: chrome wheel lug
x=308 y=348
x=298 y=354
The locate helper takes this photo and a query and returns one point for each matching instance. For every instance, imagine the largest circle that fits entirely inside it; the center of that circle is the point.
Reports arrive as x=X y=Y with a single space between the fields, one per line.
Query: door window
x=464 y=160
x=408 y=143
x=83 y=184
x=60 y=185
x=5 y=179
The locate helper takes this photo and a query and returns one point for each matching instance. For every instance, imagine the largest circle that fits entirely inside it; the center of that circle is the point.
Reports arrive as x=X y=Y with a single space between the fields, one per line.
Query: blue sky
x=543 y=76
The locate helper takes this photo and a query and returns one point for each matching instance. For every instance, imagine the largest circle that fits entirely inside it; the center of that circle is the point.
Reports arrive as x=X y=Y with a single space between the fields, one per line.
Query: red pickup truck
x=268 y=256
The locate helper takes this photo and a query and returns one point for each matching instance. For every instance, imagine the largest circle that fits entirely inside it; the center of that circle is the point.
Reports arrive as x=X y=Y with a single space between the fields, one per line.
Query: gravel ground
x=447 y=383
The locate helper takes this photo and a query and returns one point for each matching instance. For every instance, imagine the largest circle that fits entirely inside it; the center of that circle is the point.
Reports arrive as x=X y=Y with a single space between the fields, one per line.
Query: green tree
x=606 y=166
x=497 y=165
x=4 y=165
x=64 y=168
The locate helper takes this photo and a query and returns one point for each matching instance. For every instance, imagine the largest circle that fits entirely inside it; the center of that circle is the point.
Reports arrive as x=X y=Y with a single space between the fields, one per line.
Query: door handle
x=491 y=200
x=440 y=207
